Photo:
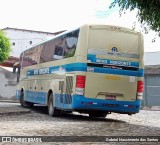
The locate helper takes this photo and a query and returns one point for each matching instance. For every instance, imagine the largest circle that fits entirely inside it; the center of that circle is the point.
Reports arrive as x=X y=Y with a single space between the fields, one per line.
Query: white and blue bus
x=95 y=69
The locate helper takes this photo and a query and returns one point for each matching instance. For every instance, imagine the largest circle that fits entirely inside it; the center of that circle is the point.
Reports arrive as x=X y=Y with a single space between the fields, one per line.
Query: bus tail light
x=80 y=84
x=139 y=90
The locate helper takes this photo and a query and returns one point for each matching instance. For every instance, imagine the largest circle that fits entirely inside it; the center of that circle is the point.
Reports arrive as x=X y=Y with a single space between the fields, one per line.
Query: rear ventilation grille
x=61 y=86
x=69 y=87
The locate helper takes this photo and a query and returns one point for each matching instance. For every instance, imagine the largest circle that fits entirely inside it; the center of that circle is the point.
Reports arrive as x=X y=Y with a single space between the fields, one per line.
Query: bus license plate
x=110 y=97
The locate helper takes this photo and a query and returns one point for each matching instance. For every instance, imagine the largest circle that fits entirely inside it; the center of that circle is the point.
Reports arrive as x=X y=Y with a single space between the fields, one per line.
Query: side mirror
x=15 y=66
x=18 y=73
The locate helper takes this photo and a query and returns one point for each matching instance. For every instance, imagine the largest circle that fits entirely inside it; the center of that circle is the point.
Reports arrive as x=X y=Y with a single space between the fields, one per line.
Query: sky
x=57 y=15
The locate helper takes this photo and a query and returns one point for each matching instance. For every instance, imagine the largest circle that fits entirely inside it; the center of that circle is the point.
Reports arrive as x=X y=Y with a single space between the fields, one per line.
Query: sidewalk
x=7 y=108
x=151 y=108
x=10 y=101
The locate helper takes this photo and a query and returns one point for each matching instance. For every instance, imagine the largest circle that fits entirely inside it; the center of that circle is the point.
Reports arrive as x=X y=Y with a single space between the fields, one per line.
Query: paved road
x=38 y=123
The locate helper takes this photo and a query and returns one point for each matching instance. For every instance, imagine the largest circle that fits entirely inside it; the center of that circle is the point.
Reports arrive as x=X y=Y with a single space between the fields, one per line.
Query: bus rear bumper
x=84 y=103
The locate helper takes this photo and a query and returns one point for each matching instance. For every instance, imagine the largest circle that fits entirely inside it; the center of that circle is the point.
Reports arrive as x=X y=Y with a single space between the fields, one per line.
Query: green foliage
x=5 y=47
x=148 y=11
x=70 y=53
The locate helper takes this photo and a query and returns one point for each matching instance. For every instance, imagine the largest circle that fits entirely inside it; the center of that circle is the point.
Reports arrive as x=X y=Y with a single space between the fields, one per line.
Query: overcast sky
x=51 y=15
x=56 y=15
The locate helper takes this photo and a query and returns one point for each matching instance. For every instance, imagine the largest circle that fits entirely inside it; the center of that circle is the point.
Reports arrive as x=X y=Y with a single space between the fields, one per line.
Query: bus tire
x=29 y=104
x=22 y=101
x=94 y=115
x=52 y=111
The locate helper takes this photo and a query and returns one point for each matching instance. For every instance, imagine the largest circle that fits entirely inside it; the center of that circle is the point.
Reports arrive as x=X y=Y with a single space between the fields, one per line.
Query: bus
x=94 y=69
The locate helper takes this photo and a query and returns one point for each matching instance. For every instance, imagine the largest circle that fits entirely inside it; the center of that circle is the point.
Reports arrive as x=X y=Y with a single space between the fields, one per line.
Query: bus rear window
x=111 y=42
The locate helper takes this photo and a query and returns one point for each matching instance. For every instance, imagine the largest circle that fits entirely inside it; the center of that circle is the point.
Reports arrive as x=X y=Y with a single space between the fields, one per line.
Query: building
x=8 y=82
x=22 y=39
x=152 y=79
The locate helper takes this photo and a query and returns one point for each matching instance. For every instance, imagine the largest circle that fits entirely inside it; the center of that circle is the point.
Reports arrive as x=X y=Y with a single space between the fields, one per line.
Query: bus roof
x=87 y=25
x=47 y=40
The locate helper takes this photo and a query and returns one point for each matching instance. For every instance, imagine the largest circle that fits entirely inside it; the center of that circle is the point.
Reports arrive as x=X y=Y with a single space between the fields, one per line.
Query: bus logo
x=114 y=49
x=90 y=69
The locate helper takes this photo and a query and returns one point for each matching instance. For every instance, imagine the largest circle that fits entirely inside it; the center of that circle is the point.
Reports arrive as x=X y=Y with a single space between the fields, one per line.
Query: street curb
x=9 y=101
x=14 y=113
x=12 y=110
x=17 y=111
x=151 y=108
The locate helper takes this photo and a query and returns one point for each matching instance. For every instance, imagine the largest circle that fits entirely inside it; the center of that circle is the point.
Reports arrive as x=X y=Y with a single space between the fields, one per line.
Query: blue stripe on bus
x=93 y=59
x=31 y=96
x=118 y=72
x=76 y=67
x=56 y=69
x=141 y=73
x=82 y=102
x=83 y=67
x=36 y=97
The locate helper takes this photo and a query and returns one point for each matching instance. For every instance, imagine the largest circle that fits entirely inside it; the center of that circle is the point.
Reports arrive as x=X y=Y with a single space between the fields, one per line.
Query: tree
x=148 y=11
x=5 y=47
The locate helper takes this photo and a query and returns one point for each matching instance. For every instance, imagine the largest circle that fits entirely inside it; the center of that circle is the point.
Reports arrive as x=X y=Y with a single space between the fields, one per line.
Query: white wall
x=152 y=58
x=8 y=82
x=22 y=39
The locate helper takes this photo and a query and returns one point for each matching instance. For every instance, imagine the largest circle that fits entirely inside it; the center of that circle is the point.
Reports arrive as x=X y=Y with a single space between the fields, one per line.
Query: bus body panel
x=105 y=85
x=113 y=63
x=83 y=104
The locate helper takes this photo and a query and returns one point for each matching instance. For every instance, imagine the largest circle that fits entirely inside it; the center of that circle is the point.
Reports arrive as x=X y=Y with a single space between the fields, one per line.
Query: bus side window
x=58 y=54
x=14 y=69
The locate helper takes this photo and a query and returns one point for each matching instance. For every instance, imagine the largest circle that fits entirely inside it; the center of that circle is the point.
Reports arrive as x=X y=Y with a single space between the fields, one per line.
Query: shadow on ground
x=71 y=116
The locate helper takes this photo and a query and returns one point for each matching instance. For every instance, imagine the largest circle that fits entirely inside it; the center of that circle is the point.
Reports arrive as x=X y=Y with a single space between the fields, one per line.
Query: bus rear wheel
x=97 y=114
x=52 y=111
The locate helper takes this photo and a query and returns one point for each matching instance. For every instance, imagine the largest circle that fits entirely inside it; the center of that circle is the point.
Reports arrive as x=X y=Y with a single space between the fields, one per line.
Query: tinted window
x=61 y=47
x=31 y=56
x=58 y=48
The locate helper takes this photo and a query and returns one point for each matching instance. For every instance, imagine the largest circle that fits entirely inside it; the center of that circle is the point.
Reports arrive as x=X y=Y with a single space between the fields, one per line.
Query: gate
x=152 y=90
